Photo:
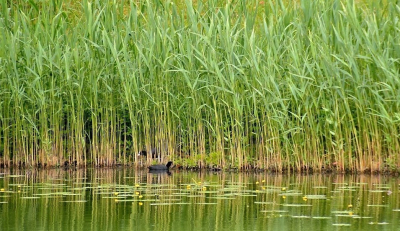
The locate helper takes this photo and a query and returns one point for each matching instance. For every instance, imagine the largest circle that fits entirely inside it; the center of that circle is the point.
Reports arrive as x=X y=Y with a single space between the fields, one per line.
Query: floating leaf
x=78 y=201
x=16 y=176
x=340 y=212
x=378 y=205
x=378 y=223
x=291 y=194
x=316 y=197
x=341 y=224
x=274 y=211
x=300 y=216
x=170 y=203
x=222 y=198
x=296 y=205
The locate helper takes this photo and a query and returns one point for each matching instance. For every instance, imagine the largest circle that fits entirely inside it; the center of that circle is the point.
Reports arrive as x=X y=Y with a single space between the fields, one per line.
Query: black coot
x=160 y=167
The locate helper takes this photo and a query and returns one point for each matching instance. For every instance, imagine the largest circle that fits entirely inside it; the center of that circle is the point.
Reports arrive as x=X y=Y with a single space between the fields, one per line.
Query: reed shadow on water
x=194 y=200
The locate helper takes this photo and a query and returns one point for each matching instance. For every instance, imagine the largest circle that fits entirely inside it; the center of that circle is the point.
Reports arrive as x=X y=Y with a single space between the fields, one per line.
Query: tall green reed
x=269 y=85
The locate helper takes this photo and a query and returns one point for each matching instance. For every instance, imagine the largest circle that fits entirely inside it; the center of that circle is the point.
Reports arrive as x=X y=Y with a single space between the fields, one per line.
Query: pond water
x=128 y=199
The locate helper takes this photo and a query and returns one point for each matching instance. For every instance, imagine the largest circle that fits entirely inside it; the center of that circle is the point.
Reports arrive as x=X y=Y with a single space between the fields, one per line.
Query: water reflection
x=125 y=199
x=160 y=172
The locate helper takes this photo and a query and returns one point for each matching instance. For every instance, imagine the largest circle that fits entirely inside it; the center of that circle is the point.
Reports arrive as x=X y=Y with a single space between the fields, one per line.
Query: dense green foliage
x=264 y=84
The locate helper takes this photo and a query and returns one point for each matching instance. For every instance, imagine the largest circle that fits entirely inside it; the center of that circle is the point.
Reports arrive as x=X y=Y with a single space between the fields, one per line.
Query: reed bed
x=271 y=85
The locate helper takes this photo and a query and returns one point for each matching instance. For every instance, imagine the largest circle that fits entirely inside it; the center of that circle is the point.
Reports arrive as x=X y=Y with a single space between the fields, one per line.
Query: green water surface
x=127 y=199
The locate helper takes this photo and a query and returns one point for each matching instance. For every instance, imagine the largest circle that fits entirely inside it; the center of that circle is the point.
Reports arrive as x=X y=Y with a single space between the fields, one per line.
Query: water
x=125 y=199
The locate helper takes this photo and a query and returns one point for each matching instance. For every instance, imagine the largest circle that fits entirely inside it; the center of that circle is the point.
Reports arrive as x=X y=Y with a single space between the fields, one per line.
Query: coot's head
x=169 y=164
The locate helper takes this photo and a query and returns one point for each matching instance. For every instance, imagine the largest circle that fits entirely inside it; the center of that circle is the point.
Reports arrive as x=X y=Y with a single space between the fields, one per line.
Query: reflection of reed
x=125 y=199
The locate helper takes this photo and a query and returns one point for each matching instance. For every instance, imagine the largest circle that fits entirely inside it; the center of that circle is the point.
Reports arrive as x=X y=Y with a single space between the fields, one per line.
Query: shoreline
x=142 y=167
